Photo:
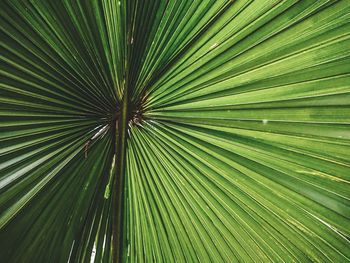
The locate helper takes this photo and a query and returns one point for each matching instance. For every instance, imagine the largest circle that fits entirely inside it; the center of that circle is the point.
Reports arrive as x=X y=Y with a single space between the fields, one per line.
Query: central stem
x=118 y=193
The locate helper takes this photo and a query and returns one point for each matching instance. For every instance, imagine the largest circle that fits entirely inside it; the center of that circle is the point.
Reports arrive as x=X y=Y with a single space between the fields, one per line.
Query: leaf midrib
x=121 y=123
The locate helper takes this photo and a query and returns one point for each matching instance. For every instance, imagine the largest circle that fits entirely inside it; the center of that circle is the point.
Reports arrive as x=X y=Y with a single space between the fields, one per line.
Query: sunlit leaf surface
x=237 y=145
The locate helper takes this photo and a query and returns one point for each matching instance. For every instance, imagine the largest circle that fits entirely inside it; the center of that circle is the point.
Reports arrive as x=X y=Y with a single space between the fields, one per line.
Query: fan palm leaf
x=175 y=131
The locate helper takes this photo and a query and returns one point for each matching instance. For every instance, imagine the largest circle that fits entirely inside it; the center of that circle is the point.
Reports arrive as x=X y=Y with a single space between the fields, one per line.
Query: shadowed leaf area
x=174 y=131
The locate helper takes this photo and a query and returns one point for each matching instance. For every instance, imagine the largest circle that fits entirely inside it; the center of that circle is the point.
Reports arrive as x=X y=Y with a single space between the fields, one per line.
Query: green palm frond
x=175 y=131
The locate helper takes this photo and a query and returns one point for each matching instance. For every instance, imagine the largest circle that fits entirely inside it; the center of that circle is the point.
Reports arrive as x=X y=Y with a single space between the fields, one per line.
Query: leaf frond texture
x=237 y=145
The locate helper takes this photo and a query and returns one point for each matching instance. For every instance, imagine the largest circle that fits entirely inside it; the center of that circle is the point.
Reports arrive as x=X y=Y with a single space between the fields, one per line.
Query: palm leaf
x=175 y=131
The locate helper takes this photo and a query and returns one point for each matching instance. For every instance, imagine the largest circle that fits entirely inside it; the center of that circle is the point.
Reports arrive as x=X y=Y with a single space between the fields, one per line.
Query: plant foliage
x=175 y=131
